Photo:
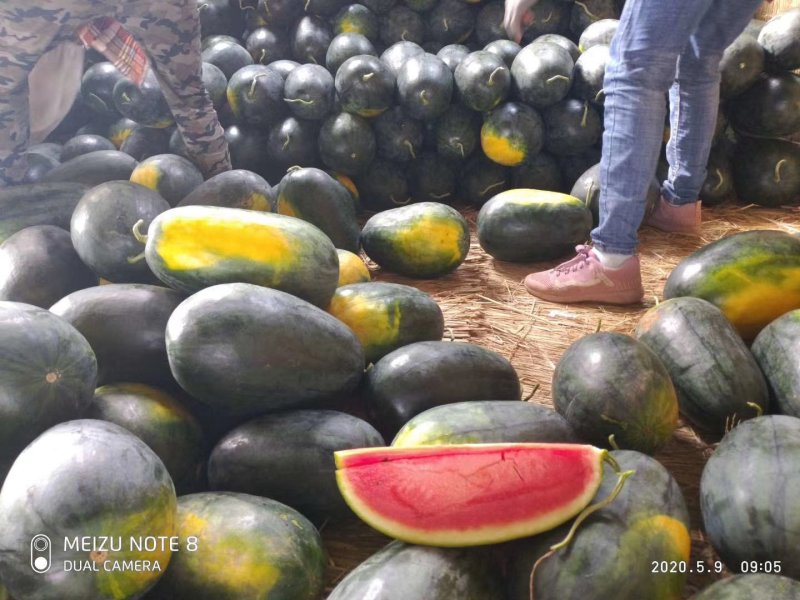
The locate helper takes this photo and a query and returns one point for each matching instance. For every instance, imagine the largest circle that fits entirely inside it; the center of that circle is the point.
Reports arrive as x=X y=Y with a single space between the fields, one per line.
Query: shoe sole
x=622 y=298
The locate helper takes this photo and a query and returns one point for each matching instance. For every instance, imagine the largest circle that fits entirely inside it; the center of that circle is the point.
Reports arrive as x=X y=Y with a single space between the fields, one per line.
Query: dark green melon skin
x=267 y=44
x=450 y=22
x=718 y=185
x=97 y=88
x=94 y=168
x=453 y=54
x=102 y=230
x=747 y=587
x=397 y=54
x=308 y=91
x=161 y=422
x=581 y=17
x=741 y=64
x=401 y=23
x=41 y=267
x=776 y=349
x=347 y=143
x=432 y=179
x=264 y=457
x=422 y=375
x=769 y=108
x=534 y=231
x=292 y=142
x=255 y=95
x=571 y=127
x=609 y=557
x=145 y=104
x=406 y=572
x=310 y=39
x=324 y=8
x=489 y=23
x=598 y=33
x=48 y=372
x=124 y=324
x=32 y=204
x=357 y=18
x=747 y=494
x=83 y=478
x=481 y=179
x=264 y=539
x=425 y=86
x=314 y=196
x=227 y=57
x=609 y=383
x=398 y=136
x=534 y=66
x=540 y=172
x=560 y=40
x=233 y=189
x=483 y=81
x=144 y=142
x=780 y=38
x=284 y=67
x=345 y=46
x=549 y=17
x=384 y=185
x=505 y=49
x=457 y=133
x=755 y=163
x=416 y=316
x=379 y=238
x=175 y=176
x=486 y=422
x=83 y=144
x=587 y=79
x=716 y=377
x=365 y=86
x=217 y=350
x=216 y=84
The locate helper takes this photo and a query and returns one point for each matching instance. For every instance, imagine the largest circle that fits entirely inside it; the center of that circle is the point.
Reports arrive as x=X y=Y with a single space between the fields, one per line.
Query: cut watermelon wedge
x=469 y=494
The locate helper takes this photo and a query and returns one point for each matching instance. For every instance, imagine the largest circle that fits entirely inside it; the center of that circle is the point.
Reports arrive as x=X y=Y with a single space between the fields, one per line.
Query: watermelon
x=745 y=587
x=145 y=104
x=542 y=74
x=450 y=22
x=40 y=266
x=540 y=172
x=173 y=177
x=532 y=225
x=324 y=8
x=227 y=56
x=396 y=389
x=280 y=12
x=718 y=185
x=715 y=376
x=384 y=186
x=83 y=144
x=216 y=84
x=769 y=108
x=402 y=24
x=775 y=349
x=316 y=197
x=264 y=456
x=482 y=80
x=741 y=65
x=598 y=33
x=347 y=45
x=293 y=142
x=310 y=38
x=144 y=142
x=481 y=179
x=547 y=17
x=48 y=370
x=408 y=572
x=161 y=422
x=424 y=240
x=571 y=127
x=453 y=55
x=560 y=40
x=752 y=276
x=255 y=95
x=283 y=66
x=489 y=23
x=86 y=482
x=398 y=53
x=431 y=178
x=97 y=88
x=233 y=189
x=93 y=168
x=311 y=357
x=457 y=133
x=505 y=49
x=744 y=491
x=387 y=316
x=590 y=69
x=486 y=421
x=242 y=548
x=351 y=268
x=512 y=133
x=613 y=552
x=267 y=45
x=309 y=92
x=193 y=247
x=347 y=143
x=425 y=86
x=609 y=383
x=468 y=494
x=218 y=17
x=119 y=130
x=398 y=136
x=584 y=14
x=767 y=172
x=365 y=86
x=357 y=18
x=779 y=38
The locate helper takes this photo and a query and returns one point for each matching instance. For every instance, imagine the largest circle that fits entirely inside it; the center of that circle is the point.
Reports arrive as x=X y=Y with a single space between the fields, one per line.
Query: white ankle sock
x=612 y=261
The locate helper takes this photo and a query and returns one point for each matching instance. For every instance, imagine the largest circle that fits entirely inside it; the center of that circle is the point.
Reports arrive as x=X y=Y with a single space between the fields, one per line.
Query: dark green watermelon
x=482 y=81
x=420 y=5
x=718 y=185
x=264 y=456
x=379 y=7
x=590 y=11
x=210 y=40
x=266 y=45
x=450 y=22
x=312 y=357
x=457 y=133
x=425 y=86
x=344 y=46
x=767 y=172
x=280 y=13
x=144 y=142
x=94 y=168
x=780 y=38
x=401 y=24
x=453 y=54
x=357 y=18
x=489 y=23
x=119 y=130
x=227 y=56
x=398 y=136
x=172 y=176
x=512 y=133
x=548 y=16
x=571 y=127
x=145 y=104
x=284 y=67
x=32 y=204
x=309 y=92
x=97 y=88
x=609 y=383
x=540 y=172
x=40 y=266
x=365 y=86
x=384 y=185
x=573 y=166
x=83 y=144
x=560 y=40
x=310 y=39
x=48 y=370
x=235 y=189
x=398 y=53
x=247 y=146
x=219 y=17
x=255 y=95
x=775 y=349
x=324 y=8
x=505 y=49
x=590 y=69
x=769 y=108
x=431 y=179
x=598 y=33
x=293 y=142
x=755 y=465
x=753 y=585
x=542 y=74
x=124 y=324
x=347 y=143
x=397 y=389
x=741 y=65
x=481 y=179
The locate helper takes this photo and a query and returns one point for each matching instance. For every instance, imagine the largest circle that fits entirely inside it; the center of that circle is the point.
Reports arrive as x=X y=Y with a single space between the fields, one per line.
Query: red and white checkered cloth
x=107 y=36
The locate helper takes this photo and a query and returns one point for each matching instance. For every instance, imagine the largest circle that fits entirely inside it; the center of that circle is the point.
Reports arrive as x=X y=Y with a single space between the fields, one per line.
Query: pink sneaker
x=672 y=218
x=585 y=279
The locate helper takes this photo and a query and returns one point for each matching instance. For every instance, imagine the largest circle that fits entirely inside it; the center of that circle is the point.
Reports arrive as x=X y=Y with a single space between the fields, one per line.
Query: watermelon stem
x=286 y=143
x=298 y=101
x=253 y=85
x=533 y=391
x=598 y=94
x=305 y=8
x=132 y=260
x=612 y=441
x=410 y=149
x=756 y=407
x=243 y=7
x=201 y=7
x=423 y=95
x=263 y=54
x=599 y=325
x=460 y=147
x=781 y=162
x=549 y=16
x=720 y=178
x=586 y=9
x=367 y=76
x=554 y=77
x=585 y=113
x=137 y=232
x=491 y=77
x=293 y=168
x=490 y=187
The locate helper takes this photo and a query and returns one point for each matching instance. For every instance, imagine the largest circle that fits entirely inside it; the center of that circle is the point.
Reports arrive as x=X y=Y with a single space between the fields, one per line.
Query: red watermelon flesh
x=468 y=494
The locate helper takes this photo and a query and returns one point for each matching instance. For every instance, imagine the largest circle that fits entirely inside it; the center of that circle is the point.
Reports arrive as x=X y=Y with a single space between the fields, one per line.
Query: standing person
x=168 y=31
x=660 y=46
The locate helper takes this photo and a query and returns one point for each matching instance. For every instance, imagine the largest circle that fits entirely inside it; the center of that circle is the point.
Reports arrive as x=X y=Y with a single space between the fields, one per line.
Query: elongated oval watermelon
x=234 y=189
x=754 y=585
x=246 y=349
x=94 y=168
x=397 y=387
x=32 y=204
x=753 y=277
x=407 y=572
x=193 y=247
x=486 y=422
x=468 y=494
x=86 y=482
x=745 y=494
x=427 y=239
x=715 y=376
x=386 y=316
x=264 y=457
x=609 y=383
x=246 y=548
x=776 y=349
x=532 y=225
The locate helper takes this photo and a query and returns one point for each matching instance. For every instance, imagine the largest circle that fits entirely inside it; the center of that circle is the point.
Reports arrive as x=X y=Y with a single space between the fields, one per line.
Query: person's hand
x=514 y=20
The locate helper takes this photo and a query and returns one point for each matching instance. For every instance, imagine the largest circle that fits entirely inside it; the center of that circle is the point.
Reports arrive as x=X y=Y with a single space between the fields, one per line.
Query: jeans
x=661 y=46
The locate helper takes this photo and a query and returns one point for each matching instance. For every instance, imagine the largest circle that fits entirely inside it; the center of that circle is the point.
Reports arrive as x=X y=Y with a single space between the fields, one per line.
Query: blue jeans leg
x=642 y=67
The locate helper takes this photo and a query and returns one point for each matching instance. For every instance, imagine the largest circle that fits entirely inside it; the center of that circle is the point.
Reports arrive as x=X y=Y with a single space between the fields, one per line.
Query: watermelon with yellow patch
x=243 y=548
x=234 y=189
x=95 y=490
x=385 y=316
x=193 y=247
x=512 y=133
x=753 y=277
x=172 y=176
x=529 y=225
x=469 y=494
x=425 y=240
x=613 y=551
x=351 y=268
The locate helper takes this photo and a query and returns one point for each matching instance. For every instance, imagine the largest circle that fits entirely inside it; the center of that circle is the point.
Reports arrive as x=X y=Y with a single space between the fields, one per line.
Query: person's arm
x=170 y=33
x=514 y=16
